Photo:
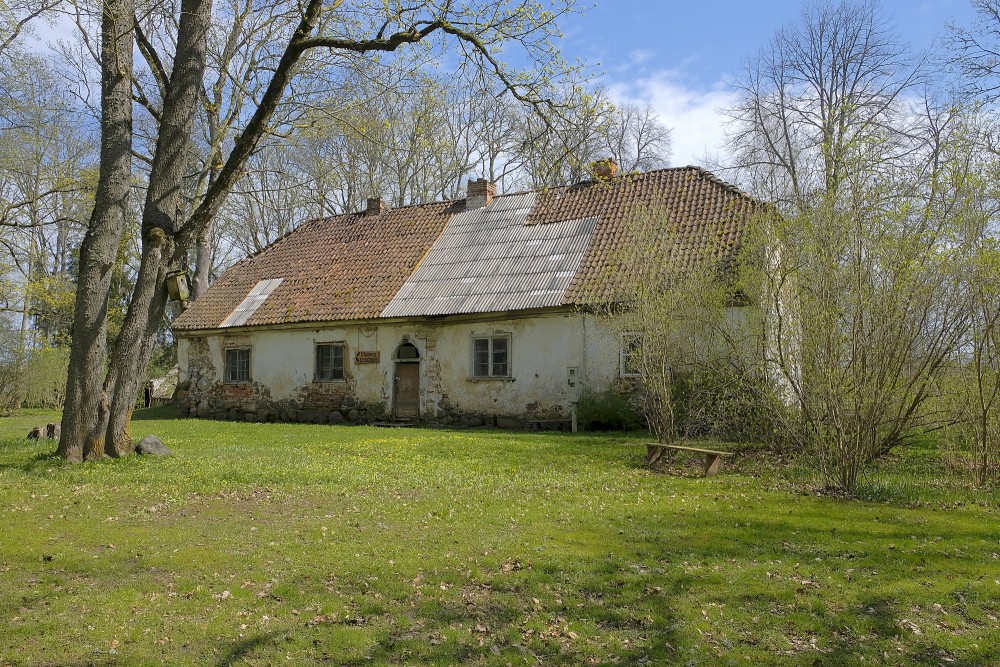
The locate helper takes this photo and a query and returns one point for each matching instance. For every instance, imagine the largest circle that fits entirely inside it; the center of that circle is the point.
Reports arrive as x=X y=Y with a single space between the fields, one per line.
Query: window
x=491 y=357
x=629 y=356
x=329 y=362
x=237 y=365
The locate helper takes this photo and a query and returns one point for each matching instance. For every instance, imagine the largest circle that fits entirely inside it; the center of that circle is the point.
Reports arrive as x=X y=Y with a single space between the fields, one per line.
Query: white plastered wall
x=542 y=350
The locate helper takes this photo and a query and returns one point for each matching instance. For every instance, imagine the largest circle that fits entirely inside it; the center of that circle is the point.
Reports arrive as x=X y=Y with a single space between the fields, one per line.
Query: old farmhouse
x=471 y=311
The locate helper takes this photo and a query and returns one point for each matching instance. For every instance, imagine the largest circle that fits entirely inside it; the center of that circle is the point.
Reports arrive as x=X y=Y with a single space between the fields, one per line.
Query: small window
x=491 y=357
x=329 y=362
x=238 y=365
x=630 y=355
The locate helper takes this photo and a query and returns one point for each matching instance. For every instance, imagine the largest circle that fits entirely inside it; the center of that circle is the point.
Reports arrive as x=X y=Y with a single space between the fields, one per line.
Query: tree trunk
x=203 y=263
x=81 y=435
x=163 y=199
x=135 y=342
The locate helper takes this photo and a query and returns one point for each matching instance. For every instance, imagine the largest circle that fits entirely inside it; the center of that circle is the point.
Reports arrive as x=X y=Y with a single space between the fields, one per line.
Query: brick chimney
x=605 y=169
x=481 y=192
x=376 y=206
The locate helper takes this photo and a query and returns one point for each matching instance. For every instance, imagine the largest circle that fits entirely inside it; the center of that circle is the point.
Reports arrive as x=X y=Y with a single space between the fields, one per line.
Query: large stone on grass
x=152 y=446
x=336 y=417
x=307 y=416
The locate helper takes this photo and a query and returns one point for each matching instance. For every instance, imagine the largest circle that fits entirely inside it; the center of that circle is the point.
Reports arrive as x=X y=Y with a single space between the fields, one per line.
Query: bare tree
x=975 y=52
x=637 y=139
x=862 y=274
x=817 y=98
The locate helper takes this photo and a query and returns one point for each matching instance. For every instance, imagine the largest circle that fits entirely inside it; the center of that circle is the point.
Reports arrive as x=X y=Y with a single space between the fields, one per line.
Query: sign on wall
x=366 y=357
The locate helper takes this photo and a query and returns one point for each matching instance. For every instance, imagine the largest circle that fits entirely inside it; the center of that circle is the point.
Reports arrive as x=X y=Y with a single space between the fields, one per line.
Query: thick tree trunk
x=82 y=436
x=135 y=342
x=163 y=199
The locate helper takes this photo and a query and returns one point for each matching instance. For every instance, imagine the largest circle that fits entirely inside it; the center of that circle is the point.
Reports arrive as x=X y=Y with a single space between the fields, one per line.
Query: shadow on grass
x=159 y=413
x=39 y=463
x=912 y=647
x=245 y=647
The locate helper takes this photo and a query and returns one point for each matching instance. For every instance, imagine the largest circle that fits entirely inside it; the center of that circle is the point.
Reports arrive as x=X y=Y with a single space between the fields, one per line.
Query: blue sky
x=680 y=56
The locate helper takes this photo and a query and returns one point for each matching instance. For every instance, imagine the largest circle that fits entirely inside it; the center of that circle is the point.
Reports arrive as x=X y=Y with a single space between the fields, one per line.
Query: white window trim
x=624 y=355
x=472 y=357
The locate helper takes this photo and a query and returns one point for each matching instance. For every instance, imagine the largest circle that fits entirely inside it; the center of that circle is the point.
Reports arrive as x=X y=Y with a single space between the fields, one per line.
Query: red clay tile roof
x=700 y=219
x=340 y=268
x=351 y=266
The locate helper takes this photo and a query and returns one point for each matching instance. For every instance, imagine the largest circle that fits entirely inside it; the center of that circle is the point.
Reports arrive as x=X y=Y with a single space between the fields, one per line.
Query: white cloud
x=692 y=113
x=639 y=56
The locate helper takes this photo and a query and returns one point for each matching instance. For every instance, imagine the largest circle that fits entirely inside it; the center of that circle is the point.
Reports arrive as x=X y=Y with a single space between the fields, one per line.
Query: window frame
x=333 y=344
x=231 y=371
x=491 y=362
x=630 y=343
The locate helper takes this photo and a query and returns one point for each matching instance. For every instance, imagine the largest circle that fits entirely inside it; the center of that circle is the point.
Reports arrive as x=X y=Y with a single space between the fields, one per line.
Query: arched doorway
x=406 y=383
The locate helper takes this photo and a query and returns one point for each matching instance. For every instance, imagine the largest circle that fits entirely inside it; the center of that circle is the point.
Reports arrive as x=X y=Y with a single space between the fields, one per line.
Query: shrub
x=608 y=410
x=719 y=401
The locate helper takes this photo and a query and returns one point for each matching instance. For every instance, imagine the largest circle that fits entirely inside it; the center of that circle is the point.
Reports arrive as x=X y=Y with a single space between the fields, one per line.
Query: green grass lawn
x=297 y=544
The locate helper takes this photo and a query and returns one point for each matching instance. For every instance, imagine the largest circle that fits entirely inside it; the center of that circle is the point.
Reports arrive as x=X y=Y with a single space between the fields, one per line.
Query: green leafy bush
x=608 y=410
x=720 y=402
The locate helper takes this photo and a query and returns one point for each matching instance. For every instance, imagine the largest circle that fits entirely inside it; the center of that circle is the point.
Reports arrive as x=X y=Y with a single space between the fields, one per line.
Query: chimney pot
x=481 y=192
x=376 y=206
x=605 y=169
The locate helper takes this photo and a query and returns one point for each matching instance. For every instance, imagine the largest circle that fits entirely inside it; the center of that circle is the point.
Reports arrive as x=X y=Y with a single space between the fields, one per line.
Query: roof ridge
x=701 y=171
x=718 y=181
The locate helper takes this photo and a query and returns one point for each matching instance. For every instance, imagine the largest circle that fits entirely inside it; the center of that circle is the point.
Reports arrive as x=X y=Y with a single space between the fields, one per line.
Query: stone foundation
x=204 y=395
x=325 y=404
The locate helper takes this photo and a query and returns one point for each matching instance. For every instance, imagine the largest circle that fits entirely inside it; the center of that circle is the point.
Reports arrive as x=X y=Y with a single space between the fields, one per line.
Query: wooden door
x=407 y=394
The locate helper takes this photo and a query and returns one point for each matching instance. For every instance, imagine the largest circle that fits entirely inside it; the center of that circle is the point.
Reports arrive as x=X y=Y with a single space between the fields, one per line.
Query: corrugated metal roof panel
x=254 y=300
x=489 y=260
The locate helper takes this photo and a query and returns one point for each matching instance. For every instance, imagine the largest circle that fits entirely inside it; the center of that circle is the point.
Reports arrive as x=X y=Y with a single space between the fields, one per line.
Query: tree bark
x=163 y=199
x=81 y=435
x=203 y=262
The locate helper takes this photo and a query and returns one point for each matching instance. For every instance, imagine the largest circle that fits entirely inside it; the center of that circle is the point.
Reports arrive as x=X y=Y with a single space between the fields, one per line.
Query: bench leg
x=712 y=464
x=653 y=454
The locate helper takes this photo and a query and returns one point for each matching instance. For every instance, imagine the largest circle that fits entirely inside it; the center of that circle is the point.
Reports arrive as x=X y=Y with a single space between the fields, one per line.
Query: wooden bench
x=710 y=457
